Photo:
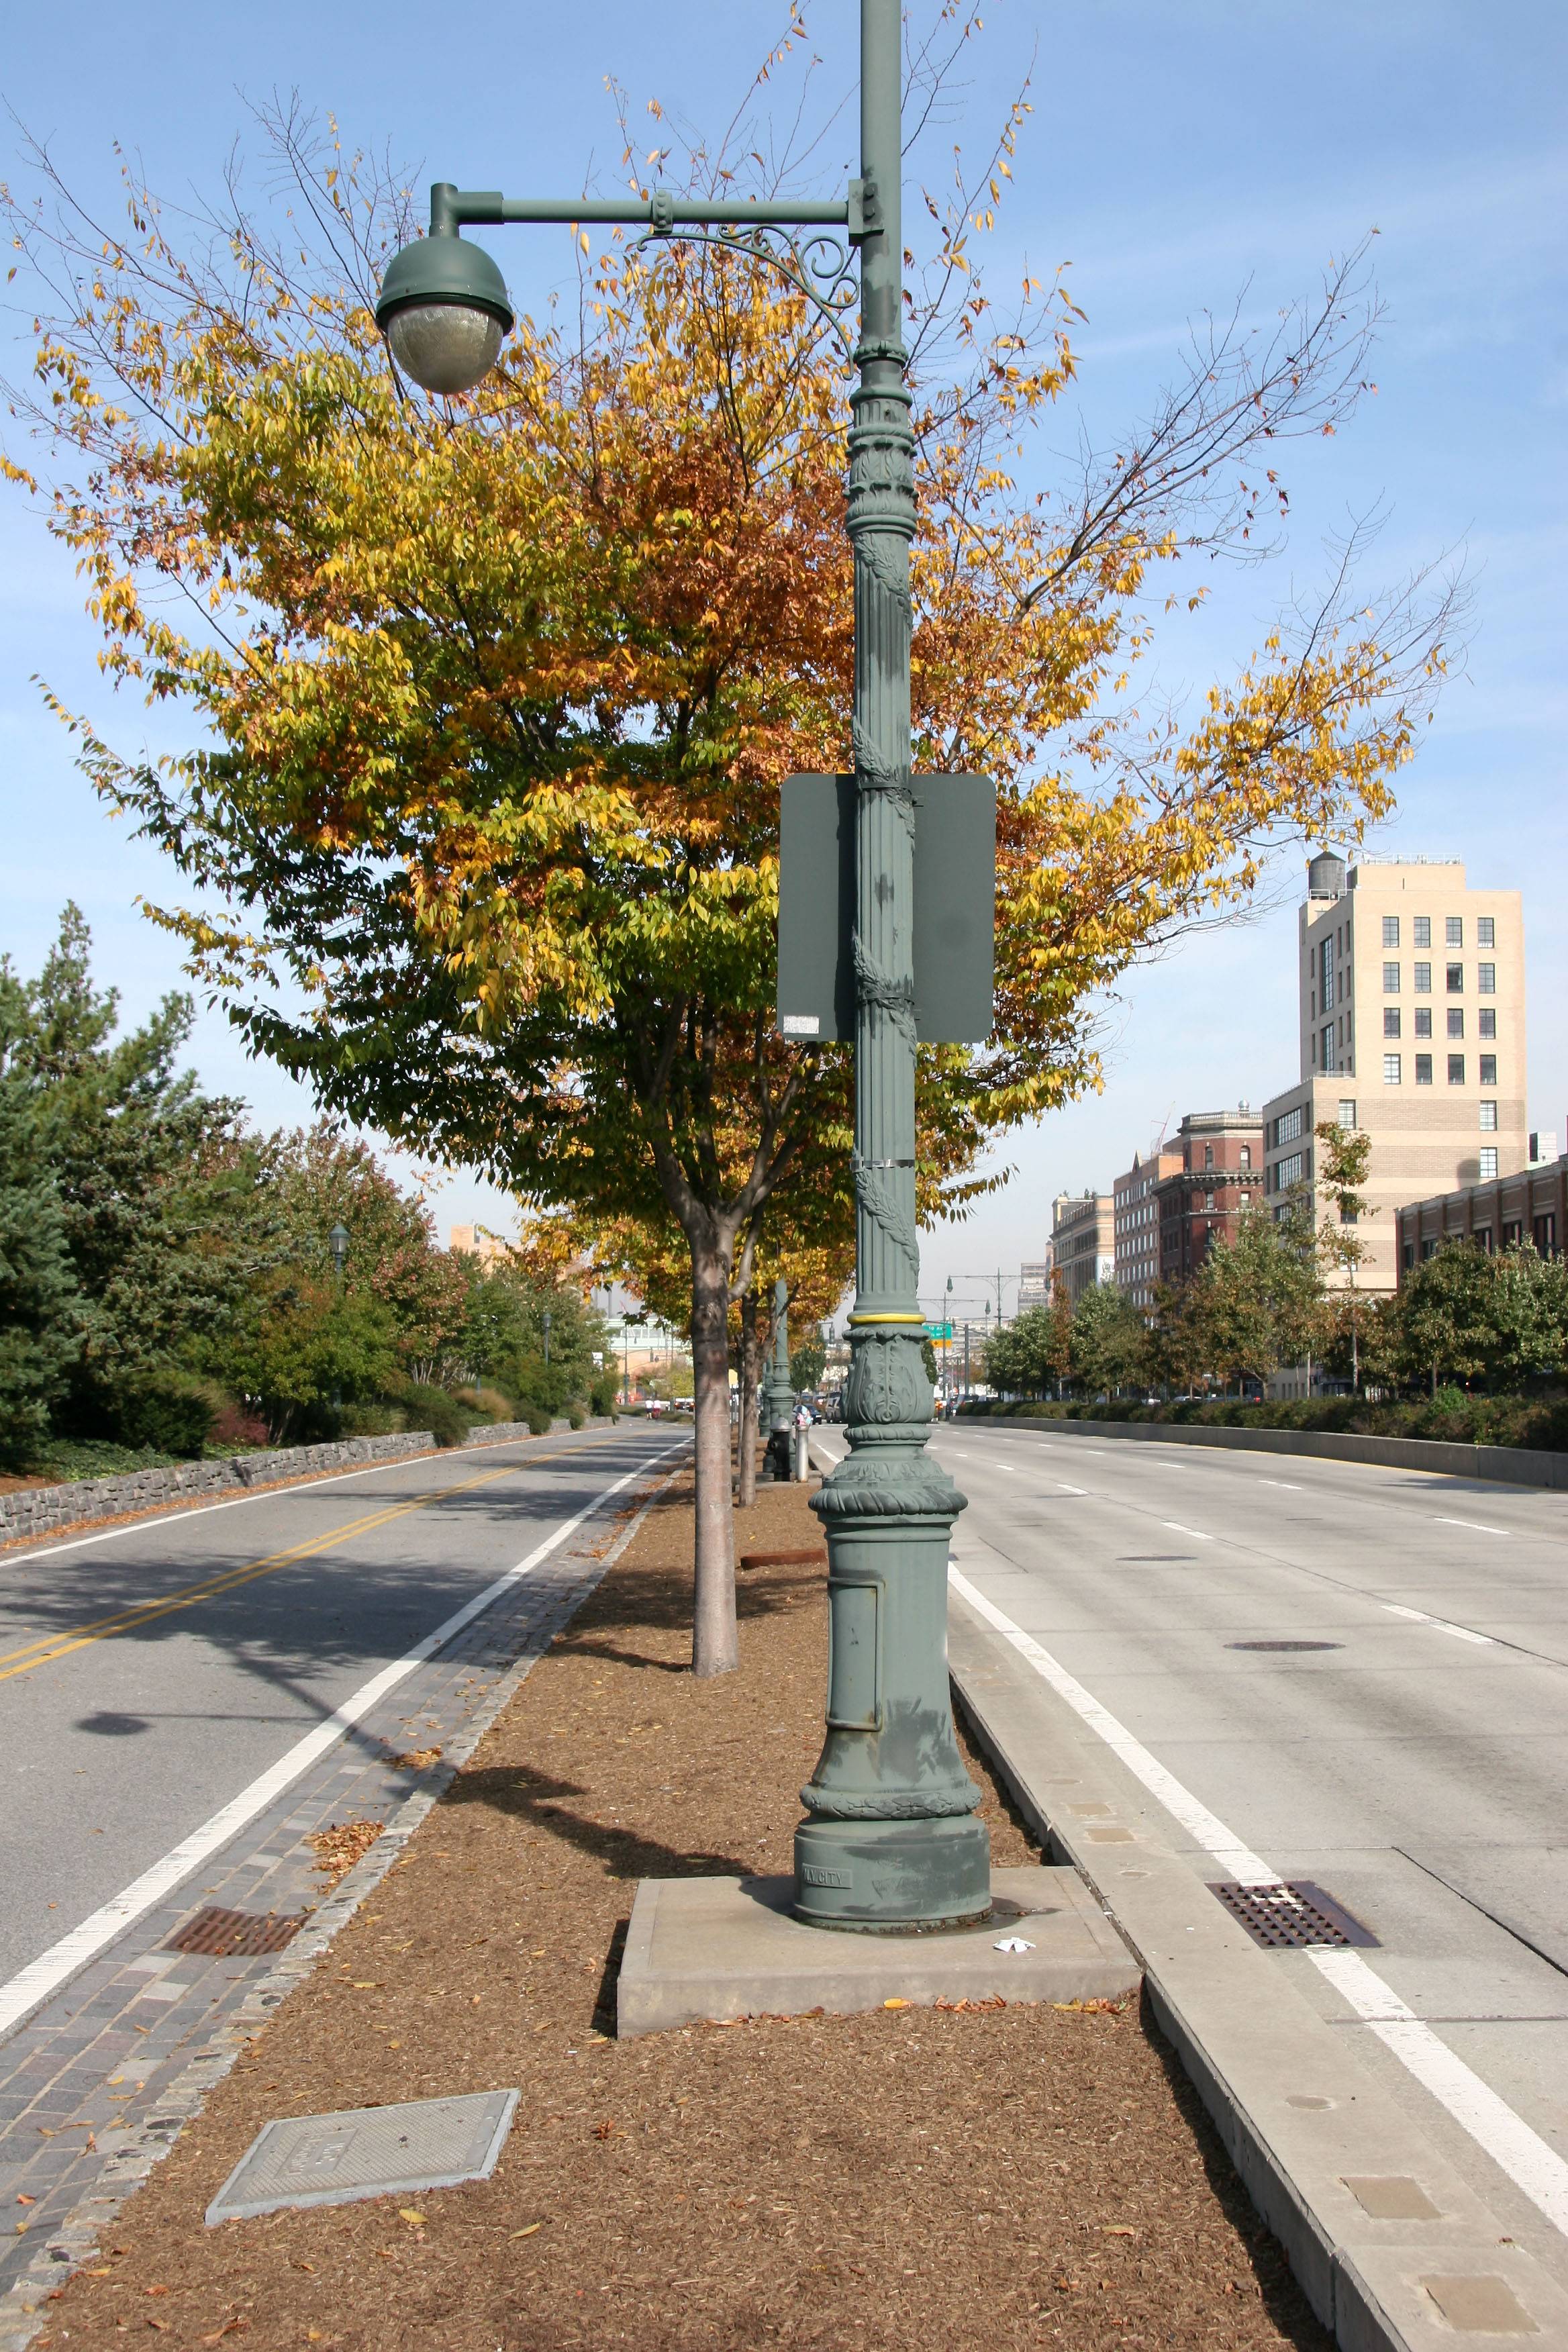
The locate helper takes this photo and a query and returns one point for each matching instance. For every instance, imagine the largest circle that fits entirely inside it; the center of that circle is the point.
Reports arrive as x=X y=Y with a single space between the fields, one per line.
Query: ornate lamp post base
x=892 y=1844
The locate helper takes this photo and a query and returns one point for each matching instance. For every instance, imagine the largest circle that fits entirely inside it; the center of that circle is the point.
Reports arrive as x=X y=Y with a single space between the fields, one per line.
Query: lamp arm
x=451 y=208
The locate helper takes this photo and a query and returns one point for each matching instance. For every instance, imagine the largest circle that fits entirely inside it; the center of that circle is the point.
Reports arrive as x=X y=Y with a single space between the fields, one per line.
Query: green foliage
x=40 y=1331
x=1109 y=1340
x=1464 y=1315
x=807 y=1364
x=1256 y=1302
x=156 y=1189
x=427 y=1407
x=168 y=1411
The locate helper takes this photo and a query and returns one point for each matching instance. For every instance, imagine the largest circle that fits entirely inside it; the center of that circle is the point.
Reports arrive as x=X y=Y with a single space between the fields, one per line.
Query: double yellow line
x=51 y=1646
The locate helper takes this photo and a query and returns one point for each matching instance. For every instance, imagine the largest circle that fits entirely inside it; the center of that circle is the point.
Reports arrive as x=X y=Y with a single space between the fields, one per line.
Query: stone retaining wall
x=34 y=1510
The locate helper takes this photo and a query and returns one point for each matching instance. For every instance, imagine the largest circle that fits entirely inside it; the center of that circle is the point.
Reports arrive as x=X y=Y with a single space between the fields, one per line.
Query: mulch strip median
x=977 y=2179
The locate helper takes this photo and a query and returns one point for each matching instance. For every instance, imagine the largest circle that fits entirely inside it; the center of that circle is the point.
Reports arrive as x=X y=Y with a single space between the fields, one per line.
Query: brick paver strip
x=95 y=2088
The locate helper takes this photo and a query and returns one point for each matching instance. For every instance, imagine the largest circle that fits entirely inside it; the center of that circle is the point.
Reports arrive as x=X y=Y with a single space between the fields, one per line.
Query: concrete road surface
x=1414 y=1764
x=149 y=1674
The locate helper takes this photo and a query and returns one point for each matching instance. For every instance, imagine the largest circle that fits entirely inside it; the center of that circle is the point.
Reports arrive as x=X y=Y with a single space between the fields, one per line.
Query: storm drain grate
x=1291 y=1916
x=234 y=1935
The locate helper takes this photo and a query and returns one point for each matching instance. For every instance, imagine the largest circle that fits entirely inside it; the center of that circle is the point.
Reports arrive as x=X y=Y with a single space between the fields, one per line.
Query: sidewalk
x=999 y=2177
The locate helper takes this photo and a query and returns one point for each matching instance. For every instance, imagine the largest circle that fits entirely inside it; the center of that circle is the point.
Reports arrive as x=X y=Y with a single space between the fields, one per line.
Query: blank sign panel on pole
x=954 y=913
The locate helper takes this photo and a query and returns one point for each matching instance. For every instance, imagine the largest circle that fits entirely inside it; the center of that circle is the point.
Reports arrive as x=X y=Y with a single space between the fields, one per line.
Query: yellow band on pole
x=919 y=1319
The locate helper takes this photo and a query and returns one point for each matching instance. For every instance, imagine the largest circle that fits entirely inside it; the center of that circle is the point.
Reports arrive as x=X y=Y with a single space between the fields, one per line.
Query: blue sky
x=1179 y=157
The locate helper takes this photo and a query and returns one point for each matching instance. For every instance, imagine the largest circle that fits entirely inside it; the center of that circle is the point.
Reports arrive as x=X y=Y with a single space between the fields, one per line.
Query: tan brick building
x=1135 y=1218
x=1083 y=1242
x=1412 y=1029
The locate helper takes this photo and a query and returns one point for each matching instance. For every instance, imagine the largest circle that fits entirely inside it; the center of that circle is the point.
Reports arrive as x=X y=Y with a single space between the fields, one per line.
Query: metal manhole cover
x=1284 y=1645
x=367 y=2152
x=1291 y=1916
x=231 y=1935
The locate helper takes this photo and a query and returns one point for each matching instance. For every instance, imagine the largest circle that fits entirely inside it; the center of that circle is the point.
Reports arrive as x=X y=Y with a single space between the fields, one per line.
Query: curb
x=1299 y=2114
x=76 y=2240
x=1501 y=1465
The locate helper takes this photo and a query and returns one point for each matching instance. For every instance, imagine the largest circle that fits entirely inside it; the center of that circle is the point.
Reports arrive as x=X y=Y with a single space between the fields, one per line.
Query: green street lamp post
x=778 y=1396
x=890 y=1843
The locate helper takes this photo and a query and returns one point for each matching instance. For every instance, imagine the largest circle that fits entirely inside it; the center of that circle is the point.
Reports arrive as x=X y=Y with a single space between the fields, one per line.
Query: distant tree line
x=167 y=1280
x=1259 y=1302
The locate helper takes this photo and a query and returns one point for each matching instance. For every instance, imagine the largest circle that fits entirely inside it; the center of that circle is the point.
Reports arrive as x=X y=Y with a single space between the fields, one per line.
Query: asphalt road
x=150 y=1674
x=1415 y=1766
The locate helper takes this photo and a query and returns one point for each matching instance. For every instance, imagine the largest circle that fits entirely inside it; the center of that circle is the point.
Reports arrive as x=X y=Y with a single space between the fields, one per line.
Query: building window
x=1347 y=1111
x=1544 y=1230
x=1208 y=1204
x=1428 y=1245
x=1326 y=1060
x=1391 y=1020
x=1245 y=1160
x=1485 y=932
x=1486 y=1018
x=1422 y=1069
x=1456 y=1021
x=1454 y=931
x=1208 y=1155
x=1489 y=1069
x=1391 y=1069
x=1488 y=1170
x=1482 y=1236
x=1287 y=1128
x=1391 y=980
x=1489 y=1118
x=1246 y=1200
x=1421 y=930
x=1513 y=1232
x=1424 y=1021
x=1422 y=980
x=1289 y=1173
x=1486 y=980
x=1456 y=1069
x=1390 y=931
x=1455 y=978
x=1407 y=1256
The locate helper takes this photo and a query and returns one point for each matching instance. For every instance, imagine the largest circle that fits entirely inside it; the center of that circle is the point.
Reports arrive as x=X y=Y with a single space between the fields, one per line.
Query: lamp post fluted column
x=889 y=1841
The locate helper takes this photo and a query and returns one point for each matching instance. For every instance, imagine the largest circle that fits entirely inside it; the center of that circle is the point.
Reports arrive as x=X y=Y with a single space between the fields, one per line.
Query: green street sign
x=954 y=907
x=938 y=1330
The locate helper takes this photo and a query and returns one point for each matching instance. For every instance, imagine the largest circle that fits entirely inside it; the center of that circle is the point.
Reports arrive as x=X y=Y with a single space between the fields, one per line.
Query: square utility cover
x=367 y=2152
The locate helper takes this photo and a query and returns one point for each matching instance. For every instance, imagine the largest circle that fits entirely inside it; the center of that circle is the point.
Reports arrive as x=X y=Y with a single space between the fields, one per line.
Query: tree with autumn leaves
x=491 y=698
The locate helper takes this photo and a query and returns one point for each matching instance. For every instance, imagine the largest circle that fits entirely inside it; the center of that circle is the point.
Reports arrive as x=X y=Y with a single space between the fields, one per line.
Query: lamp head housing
x=445 y=311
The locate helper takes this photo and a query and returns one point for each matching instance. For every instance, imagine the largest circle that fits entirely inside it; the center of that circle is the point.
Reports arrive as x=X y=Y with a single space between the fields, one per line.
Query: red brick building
x=1219 y=1175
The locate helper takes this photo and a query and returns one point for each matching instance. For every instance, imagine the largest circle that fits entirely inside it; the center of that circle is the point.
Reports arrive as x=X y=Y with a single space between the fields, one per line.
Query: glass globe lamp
x=445 y=312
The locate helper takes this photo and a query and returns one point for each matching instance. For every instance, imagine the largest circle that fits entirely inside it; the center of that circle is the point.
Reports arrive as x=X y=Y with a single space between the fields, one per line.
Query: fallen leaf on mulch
x=416 y=1759
x=338 y=1847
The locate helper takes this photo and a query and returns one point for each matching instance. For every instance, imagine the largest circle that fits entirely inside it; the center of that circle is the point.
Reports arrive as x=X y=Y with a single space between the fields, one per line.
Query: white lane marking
x=257 y=1494
x=1491 y=2123
x=1480 y=1526
x=1205 y=1828
x=1196 y=1534
x=1065 y=1489
x=41 y=1977
x=1459 y=1632
x=1508 y=2139
x=1289 y=1485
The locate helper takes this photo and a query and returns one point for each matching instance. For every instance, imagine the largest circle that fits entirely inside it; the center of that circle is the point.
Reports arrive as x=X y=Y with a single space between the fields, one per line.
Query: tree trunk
x=746 y=1484
x=714 y=1649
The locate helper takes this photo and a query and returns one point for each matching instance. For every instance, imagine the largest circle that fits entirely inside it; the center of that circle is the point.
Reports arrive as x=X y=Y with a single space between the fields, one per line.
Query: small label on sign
x=801 y=1025
x=816 y=1875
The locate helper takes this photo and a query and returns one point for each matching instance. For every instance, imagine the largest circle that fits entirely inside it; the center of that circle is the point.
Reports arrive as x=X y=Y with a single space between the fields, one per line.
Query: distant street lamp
x=544 y=1318
x=338 y=1243
x=891 y=1842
